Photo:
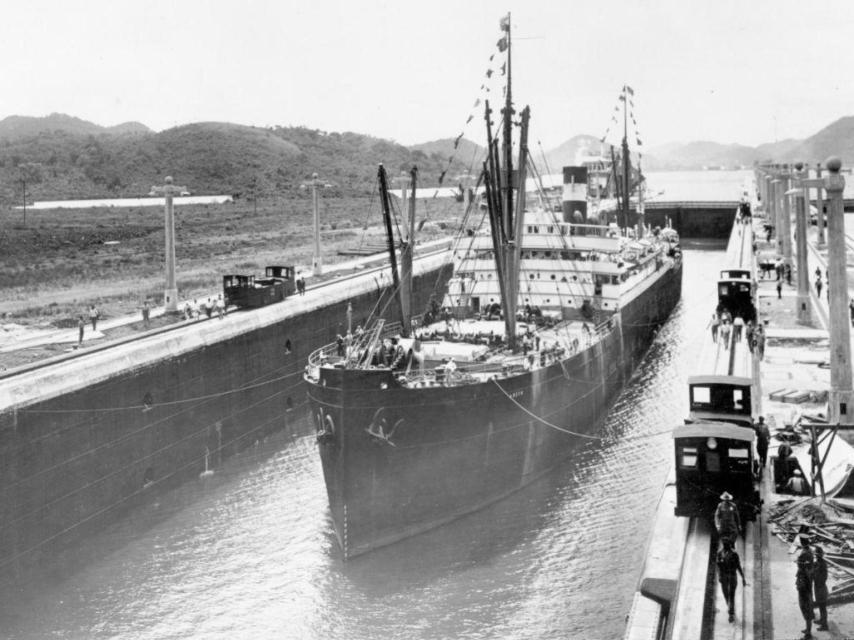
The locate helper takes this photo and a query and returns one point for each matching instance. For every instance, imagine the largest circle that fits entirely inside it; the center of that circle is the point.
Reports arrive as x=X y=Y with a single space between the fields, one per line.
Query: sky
x=718 y=70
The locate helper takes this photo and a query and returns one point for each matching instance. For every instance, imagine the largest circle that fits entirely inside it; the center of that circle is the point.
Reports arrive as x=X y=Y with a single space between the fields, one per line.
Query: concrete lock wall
x=75 y=454
x=695 y=221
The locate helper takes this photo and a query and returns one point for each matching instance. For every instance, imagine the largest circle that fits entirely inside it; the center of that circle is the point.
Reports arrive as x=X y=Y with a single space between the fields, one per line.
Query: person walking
x=220 y=307
x=93 y=316
x=146 y=312
x=81 y=326
x=819 y=587
x=737 y=328
x=763 y=437
x=818 y=286
x=727 y=520
x=748 y=335
x=725 y=329
x=803 y=584
x=759 y=337
x=729 y=568
x=715 y=322
x=779 y=289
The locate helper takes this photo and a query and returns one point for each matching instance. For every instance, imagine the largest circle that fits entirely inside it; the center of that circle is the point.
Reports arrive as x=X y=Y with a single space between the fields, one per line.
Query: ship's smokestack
x=574 y=193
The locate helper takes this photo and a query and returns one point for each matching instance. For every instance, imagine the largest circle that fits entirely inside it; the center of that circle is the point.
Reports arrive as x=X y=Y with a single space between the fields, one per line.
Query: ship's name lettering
x=517 y=394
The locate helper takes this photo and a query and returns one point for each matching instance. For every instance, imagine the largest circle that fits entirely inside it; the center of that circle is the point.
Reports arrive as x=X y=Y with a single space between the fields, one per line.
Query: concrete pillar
x=316 y=260
x=169 y=190
x=803 y=310
x=170 y=296
x=769 y=196
x=776 y=213
x=841 y=402
x=786 y=218
x=819 y=205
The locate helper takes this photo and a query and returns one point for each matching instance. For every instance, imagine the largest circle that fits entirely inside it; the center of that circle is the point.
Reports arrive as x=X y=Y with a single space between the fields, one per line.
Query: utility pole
x=314 y=183
x=465 y=181
x=24 y=181
x=402 y=181
x=819 y=205
x=168 y=190
x=803 y=310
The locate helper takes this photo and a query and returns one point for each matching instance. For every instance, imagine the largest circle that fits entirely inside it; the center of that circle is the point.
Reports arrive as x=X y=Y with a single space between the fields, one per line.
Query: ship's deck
x=455 y=352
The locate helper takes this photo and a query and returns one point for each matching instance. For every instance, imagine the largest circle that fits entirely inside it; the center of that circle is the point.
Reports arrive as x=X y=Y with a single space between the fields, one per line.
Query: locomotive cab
x=735 y=293
x=723 y=398
x=248 y=291
x=713 y=457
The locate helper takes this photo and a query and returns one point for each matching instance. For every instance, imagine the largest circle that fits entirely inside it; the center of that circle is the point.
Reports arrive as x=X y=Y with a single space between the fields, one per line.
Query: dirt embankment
x=62 y=261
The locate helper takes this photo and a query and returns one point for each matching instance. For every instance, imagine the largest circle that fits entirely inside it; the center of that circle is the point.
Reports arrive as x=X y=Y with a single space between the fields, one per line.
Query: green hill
x=61 y=157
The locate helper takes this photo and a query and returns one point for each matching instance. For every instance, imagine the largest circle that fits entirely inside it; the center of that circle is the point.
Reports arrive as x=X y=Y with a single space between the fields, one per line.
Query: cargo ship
x=422 y=419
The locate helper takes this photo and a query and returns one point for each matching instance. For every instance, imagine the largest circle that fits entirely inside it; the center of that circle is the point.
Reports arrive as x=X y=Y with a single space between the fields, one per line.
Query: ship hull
x=453 y=450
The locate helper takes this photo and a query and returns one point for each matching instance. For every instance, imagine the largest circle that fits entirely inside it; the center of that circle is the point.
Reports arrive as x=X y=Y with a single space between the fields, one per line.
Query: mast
x=389 y=234
x=626 y=189
x=641 y=205
x=507 y=113
x=514 y=245
x=506 y=230
x=406 y=249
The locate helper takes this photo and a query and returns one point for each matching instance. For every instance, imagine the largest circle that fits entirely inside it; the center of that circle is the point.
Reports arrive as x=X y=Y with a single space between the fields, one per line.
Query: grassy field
x=59 y=262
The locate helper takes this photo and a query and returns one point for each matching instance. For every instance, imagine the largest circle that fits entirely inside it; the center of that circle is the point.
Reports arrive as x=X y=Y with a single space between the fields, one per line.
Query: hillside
x=572 y=151
x=836 y=139
x=697 y=155
x=61 y=157
x=15 y=127
x=467 y=152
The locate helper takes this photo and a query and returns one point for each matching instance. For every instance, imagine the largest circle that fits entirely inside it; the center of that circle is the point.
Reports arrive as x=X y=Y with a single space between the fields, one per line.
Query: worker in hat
x=819 y=586
x=727 y=520
x=729 y=567
x=803 y=584
x=763 y=437
x=796 y=484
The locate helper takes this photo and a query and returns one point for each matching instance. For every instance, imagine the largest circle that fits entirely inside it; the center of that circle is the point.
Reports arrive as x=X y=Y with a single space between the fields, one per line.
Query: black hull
x=454 y=450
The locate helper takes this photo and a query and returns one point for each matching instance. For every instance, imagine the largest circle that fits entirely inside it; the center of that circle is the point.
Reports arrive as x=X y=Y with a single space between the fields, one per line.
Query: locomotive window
x=722 y=290
x=688 y=458
x=739 y=460
x=701 y=395
x=737 y=399
x=713 y=462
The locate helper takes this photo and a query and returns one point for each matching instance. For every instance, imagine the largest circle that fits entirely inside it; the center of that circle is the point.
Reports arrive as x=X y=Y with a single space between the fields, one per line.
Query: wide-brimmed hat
x=726 y=496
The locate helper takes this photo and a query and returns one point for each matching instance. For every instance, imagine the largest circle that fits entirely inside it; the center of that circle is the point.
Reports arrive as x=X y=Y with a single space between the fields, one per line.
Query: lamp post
x=841 y=401
x=801 y=205
x=314 y=183
x=168 y=190
x=465 y=181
